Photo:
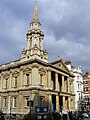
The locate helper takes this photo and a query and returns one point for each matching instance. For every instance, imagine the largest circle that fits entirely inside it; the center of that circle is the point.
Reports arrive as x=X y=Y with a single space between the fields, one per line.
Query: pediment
x=6 y=75
x=15 y=73
x=60 y=64
x=42 y=70
x=64 y=67
x=27 y=70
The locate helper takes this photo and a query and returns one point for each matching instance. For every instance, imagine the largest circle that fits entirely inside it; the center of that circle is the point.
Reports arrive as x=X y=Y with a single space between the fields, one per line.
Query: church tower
x=35 y=37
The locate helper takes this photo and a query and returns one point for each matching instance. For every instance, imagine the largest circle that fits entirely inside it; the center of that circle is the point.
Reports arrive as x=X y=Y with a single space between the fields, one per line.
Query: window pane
x=15 y=81
x=41 y=79
x=14 y=102
x=27 y=101
x=6 y=83
x=5 y=103
x=27 y=78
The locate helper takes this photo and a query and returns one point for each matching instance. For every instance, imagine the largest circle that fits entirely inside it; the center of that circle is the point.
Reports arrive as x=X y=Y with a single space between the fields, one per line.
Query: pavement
x=86 y=118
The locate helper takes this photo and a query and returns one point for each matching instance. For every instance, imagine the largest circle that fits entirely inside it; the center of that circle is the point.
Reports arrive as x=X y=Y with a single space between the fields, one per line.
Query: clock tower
x=35 y=40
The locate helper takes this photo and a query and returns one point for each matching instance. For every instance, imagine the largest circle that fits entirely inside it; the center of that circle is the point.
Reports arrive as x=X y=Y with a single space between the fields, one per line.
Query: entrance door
x=60 y=103
x=53 y=103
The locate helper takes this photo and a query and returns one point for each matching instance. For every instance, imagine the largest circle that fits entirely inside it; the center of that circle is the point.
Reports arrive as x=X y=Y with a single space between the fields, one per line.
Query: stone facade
x=33 y=78
x=86 y=89
x=78 y=84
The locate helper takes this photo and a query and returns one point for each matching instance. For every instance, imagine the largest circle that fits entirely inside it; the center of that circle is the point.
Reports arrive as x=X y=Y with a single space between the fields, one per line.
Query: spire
x=35 y=15
x=35 y=40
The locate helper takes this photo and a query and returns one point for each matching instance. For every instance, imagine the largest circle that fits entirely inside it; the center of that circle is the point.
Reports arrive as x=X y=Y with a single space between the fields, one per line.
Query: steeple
x=35 y=40
x=35 y=22
x=35 y=15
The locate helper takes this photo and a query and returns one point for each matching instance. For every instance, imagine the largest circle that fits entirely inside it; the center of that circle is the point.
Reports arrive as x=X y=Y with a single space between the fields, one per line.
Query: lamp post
x=10 y=110
x=30 y=105
x=30 y=108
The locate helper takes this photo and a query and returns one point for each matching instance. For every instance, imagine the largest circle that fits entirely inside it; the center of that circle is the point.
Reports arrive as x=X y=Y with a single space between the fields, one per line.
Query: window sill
x=26 y=106
x=27 y=85
x=14 y=107
x=41 y=85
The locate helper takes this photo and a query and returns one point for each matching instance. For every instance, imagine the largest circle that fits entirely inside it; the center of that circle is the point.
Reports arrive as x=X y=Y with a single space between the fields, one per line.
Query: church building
x=33 y=79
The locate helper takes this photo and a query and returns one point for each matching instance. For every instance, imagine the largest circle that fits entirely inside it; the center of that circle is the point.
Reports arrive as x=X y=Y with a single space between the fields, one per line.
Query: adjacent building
x=33 y=78
x=78 y=84
x=86 y=89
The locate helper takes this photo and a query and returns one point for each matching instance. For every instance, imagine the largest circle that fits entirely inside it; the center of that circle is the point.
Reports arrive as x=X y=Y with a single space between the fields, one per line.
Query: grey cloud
x=73 y=23
x=65 y=23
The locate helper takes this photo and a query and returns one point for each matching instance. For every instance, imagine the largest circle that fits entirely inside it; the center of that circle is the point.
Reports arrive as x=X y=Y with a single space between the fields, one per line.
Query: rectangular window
x=6 y=83
x=14 y=102
x=5 y=102
x=53 y=79
x=86 y=82
x=71 y=103
x=41 y=100
x=41 y=76
x=27 y=79
x=79 y=96
x=15 y=81
x=78 y=77
x=65 y=83
x=60 y=81
x=27 y=102
x=78 y=86
x=86 y=88
x=71 y=89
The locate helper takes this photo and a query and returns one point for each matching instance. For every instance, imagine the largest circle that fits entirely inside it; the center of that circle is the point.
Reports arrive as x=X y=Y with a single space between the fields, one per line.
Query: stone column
x=1 y=101
x=50 y=101
x=35 y=75
x=69 y=107
x=20 y=103
x=1 y=81
x=68 y=84
x=30 y=78
x=63 y=83
x=64 y=105
x=21 y=78
x=9 y=103
x=10 y=80
x=57 y=103
x=72 y=86
x=49 y=78
x=56 y=82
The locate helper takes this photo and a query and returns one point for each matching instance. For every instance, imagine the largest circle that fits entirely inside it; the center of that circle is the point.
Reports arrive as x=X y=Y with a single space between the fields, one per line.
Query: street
x=86 y=118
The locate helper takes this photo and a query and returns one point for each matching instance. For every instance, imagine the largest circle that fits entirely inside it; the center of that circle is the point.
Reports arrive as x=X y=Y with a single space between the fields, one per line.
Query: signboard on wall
x=41 y=109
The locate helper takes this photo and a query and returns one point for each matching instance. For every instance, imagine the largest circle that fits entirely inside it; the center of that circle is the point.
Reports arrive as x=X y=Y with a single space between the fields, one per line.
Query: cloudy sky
x=65 y=23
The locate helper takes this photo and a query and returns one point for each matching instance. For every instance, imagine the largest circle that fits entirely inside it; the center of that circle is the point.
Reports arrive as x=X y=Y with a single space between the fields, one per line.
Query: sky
x=65 y=23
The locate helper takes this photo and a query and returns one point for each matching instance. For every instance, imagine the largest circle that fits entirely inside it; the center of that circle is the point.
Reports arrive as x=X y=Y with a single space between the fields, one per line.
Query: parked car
x=85 y=115
x=89 y=114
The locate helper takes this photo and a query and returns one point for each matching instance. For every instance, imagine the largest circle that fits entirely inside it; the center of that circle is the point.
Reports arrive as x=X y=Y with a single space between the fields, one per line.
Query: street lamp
x=30 y=105
x=10 y=110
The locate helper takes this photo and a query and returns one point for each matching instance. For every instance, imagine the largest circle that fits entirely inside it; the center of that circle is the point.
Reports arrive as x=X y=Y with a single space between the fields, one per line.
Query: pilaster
x=64 y=102
x=69 y=103
x=49 y=78
x=35 y=75
x=50 y=101
x=20 y=103
x=9 y=104
x=57 y=103
x=57 y=84
x=10 y=80
x=1 y=81
x=63 y=84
